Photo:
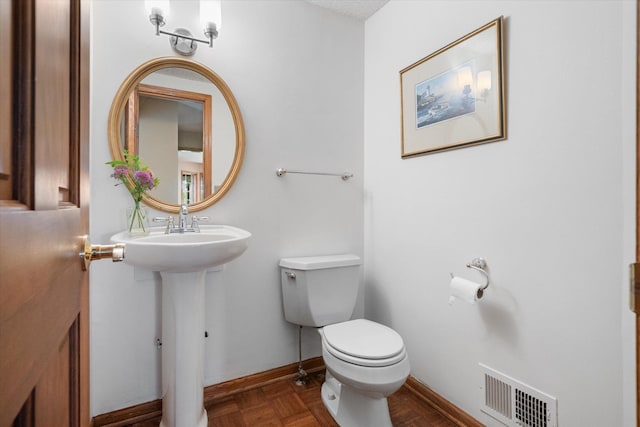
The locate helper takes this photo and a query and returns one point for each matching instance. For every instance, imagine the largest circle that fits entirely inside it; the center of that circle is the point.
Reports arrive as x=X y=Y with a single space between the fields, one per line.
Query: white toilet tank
x=319 y=290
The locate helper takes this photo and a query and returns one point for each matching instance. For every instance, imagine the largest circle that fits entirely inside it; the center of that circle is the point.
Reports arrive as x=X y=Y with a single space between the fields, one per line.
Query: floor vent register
x=516 y=404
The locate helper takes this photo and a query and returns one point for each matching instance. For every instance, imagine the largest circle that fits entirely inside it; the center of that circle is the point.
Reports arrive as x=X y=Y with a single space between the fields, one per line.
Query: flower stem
x=137 y=216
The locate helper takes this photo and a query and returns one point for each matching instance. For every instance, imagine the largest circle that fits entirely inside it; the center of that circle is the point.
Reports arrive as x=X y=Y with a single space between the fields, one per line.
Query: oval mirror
x=183 y=121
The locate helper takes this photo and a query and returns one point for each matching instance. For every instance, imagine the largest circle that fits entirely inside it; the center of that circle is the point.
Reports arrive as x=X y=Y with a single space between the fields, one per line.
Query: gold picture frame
x=454 y=98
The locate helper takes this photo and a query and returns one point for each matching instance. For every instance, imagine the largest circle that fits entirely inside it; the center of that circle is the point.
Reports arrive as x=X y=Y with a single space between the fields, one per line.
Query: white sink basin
x=184 y=252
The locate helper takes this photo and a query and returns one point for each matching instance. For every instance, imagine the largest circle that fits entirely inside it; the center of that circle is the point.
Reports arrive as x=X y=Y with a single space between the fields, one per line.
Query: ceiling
x=360 y=9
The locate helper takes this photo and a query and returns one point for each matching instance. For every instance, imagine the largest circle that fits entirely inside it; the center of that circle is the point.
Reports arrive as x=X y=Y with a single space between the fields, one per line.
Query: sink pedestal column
x=183 y=350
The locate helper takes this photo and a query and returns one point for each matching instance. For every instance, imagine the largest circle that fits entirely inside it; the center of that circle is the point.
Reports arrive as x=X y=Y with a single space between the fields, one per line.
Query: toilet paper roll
x=464 y=289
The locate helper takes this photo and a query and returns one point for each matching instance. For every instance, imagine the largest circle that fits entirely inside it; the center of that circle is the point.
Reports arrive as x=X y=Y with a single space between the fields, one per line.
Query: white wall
x=297 y=73
x=550 y=208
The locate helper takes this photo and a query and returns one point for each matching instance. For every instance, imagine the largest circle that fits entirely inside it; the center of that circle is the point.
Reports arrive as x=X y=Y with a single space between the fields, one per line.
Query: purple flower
x=120 y=172
x=134 y=175
x=144 y=178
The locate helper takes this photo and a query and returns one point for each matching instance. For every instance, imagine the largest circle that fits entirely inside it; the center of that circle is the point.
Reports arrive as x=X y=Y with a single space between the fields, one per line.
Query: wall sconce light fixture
x=181 y=40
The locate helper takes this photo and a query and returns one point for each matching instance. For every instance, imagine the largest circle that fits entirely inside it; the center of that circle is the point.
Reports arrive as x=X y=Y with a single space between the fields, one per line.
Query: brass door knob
x=94 y=252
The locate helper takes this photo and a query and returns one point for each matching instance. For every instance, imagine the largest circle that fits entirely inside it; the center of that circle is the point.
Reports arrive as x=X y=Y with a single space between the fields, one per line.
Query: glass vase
x=138 y=220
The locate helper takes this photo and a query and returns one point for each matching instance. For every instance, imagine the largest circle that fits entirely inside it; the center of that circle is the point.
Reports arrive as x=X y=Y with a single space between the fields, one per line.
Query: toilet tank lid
x=318 y=262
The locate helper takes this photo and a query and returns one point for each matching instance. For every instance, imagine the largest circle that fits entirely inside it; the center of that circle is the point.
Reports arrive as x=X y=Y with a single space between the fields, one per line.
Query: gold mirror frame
x=120 y=103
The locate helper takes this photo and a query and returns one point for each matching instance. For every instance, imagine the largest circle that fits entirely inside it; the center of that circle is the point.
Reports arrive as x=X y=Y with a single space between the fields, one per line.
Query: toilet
x=366 y=361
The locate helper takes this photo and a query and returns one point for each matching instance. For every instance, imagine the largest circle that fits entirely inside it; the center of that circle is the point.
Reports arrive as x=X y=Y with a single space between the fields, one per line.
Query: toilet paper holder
x=479 y=264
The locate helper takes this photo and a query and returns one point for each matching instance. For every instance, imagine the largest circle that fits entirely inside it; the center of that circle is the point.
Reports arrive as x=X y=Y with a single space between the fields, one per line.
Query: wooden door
x=44 y=146
x=634 y=297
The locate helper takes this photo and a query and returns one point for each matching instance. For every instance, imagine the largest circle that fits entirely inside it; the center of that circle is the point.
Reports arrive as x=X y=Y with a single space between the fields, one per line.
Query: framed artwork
x=454 y=98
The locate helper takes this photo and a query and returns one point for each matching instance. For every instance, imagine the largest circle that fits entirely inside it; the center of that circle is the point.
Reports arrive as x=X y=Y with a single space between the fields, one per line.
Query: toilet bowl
x=365 y=361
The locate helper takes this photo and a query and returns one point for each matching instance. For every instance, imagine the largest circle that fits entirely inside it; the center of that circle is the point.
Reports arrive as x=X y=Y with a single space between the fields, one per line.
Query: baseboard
x=442 y=405
x=153 y=410
x=228 y=388
x=127 y=416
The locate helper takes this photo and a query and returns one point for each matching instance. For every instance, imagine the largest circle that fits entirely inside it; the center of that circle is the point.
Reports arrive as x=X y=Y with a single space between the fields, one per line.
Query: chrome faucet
x=182 y=220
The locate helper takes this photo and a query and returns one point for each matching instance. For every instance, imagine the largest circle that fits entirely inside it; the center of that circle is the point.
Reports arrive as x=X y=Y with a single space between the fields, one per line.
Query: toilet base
x=351 y=408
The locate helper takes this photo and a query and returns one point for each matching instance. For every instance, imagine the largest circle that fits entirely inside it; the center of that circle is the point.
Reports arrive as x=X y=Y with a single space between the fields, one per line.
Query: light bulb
x=211 y=16
x=157 y=7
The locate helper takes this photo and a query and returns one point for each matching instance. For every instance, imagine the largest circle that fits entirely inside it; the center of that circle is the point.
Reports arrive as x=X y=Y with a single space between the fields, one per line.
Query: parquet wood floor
x=284 y=404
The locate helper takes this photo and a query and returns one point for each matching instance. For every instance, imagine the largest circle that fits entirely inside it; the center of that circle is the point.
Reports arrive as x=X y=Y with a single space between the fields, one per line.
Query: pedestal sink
x=182 y=260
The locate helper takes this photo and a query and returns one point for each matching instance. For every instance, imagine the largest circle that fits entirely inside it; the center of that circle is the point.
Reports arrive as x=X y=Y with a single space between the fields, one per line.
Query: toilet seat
x=363 y=342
